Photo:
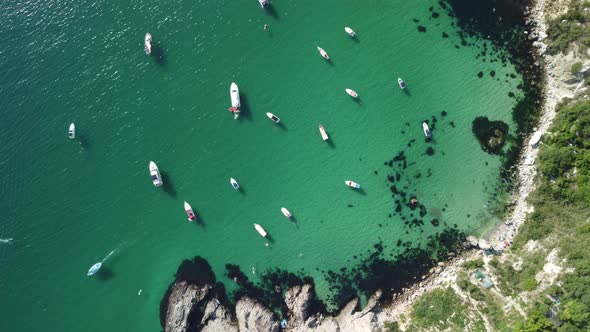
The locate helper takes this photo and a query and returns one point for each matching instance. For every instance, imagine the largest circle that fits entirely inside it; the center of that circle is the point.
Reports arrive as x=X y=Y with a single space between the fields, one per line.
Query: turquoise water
x=67 y=204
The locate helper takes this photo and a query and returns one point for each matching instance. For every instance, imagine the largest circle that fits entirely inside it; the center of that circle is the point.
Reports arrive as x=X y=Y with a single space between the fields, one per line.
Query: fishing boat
x=350 y=32
x=286 y=212
x=94 y=268
x=427 y=132
x=323 y=133
x=155 y=173
x=189 y=212
x=401 y=83
x=234 y=183
x=260 y=230
x=72 y=131
x=273 y=117
x=264 y=3
x=352 y=184
x=234 y=93
x=352 y=93
x=323 y=53
x=147 y=43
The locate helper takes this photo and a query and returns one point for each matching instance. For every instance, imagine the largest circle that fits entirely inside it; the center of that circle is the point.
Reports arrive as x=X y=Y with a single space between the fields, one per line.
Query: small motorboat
x=352 y=184
x=323 y=53
x=286 y=212
x=189 y=212
x=427 y=132
x=155 y=173
x=264 y=3
x=260 y=230
x=147 y=44
x=72 y=131
x=273 y=117
x=94 y=268
x=401 y=83
x=350 y=32
x=234 y=183
x=323 y=133
x=234 y=93
x=352 y=93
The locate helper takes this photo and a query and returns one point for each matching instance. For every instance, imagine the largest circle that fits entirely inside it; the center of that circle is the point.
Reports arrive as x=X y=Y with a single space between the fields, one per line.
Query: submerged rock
x=490 y=134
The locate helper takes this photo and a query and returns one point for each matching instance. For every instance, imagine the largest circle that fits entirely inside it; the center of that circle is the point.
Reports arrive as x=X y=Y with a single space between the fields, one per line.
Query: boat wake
x=7 y=241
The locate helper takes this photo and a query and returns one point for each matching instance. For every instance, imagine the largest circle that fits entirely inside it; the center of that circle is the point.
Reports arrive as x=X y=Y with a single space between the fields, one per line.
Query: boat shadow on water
x=272 y=12
x=407 y=91
x=168 y=186
x=105 y=274
x=331 y=143
x=361 y=191
x=159 y=54
x=245 y=108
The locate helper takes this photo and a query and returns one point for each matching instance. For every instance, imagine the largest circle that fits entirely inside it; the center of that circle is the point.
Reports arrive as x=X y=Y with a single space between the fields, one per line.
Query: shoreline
x=375 y=314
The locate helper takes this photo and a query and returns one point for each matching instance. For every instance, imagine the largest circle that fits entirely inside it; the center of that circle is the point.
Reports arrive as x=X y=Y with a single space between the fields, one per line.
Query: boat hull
x=401 y=83
x=189 y=212
x=352 y=93
x=273 y=117
x=155 y=174
x=260 y=230
x=323 y=53
x=350 y=32
x=94 y=269
x=147 y=43
x=286 y=212
x=427 y=132
x=323 y=133
x=234 y=183
x=352 y=184
x=72 y=131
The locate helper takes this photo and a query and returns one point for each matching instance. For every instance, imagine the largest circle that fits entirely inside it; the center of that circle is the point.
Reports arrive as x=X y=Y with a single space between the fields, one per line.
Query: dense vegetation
x=570 y=27
x=562 y=220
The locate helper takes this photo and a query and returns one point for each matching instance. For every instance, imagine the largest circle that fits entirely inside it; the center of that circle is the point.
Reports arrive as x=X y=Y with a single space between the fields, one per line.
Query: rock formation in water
x=490 y=134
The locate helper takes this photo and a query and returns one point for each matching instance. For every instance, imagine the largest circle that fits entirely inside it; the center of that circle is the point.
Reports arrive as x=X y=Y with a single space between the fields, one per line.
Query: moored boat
x=155 y=174
x=234 y=183
x=147 y=43
x=427 y=132
x=72 y=131
x=323 y=133
x=273 y=117
x=401 y=83
x=234 y=94
x=352 y=184
x=323 y=53
x=286 y=212
x=350 y=32
x=189 y=212
x=352 y=93
x=94 y=268
x=264 y=3
x=260 y=230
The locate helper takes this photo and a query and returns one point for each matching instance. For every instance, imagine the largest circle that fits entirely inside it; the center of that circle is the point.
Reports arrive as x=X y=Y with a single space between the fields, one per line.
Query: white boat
x=323 y=133
x=260 y=230
x=286 y=212
x=273 y=117
x=234 y=183
x=234 y=93
x=264 y=3
x=350 y=32
x=94 y=268
x=352 y=93
x=401 y=83
x=323 y=53
x=72 y=131
x=352 y=184
x=189 y=212
x=155 y=173
x=426 y=130
x=147 y=43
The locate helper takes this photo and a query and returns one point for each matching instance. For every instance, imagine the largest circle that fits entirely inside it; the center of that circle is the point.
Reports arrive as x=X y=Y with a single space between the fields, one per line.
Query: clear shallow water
x=68 y=204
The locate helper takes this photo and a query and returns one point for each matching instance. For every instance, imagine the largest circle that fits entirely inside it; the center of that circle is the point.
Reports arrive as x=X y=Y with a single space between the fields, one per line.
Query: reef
x=490 y=134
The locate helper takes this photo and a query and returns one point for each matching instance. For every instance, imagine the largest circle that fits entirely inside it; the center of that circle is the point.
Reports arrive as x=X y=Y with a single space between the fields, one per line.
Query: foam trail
x=7 y=241
x=107 y=256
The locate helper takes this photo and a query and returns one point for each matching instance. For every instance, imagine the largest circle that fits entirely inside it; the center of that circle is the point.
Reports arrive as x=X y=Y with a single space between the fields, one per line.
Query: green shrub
x=568 y=28
x=391 y=326
x=439 y=309
x=474 y=264
x=576 y=68
x=529 y=283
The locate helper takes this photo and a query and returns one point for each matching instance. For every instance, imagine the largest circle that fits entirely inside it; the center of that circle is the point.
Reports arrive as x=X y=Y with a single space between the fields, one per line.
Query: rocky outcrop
x=183 y=297
x=298 y=300
x=490 y=134
x=217 y=317
x=253 y=316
